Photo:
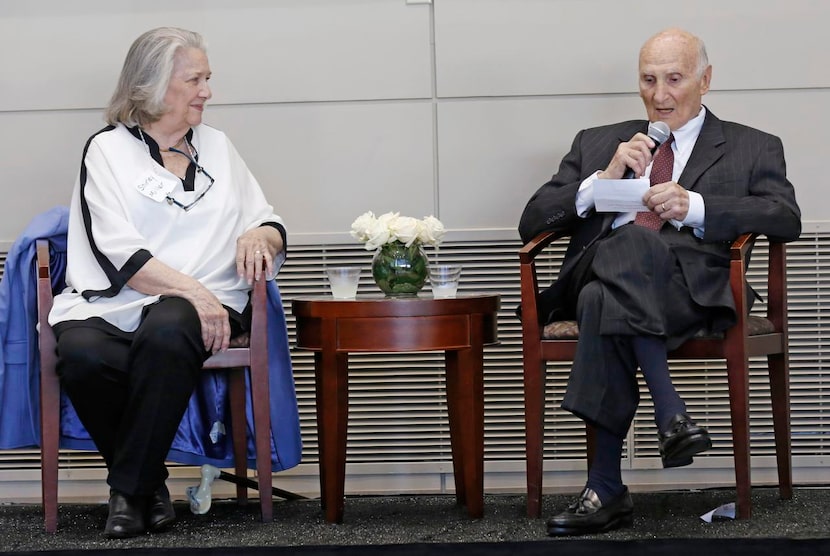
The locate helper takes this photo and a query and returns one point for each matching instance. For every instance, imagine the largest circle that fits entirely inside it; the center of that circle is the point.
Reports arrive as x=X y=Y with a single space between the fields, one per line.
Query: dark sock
x=605 y=477
x=651 y=356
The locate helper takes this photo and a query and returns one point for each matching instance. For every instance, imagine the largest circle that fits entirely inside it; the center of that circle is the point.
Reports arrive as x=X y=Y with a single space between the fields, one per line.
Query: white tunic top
x=114 y=227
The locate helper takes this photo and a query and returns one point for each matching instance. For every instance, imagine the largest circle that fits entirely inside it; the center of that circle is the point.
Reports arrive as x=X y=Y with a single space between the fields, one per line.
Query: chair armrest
x=259 y=319
x=776 y=302
x=49 y=386
x=536 y=245
x=738 y=254
x=777 y=286
x=529 y=286
x=742 y=246
x=42 y=249
x=44 y=279
x=776 y=299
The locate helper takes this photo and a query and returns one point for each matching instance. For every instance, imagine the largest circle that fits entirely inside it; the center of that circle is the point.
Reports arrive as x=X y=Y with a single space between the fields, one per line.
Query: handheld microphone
x=659 y=133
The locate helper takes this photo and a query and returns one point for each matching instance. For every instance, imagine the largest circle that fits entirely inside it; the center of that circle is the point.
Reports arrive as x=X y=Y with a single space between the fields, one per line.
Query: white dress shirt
x=684 y=142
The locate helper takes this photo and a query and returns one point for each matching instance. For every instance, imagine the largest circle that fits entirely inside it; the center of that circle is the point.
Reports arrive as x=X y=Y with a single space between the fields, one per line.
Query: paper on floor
x=721 y=513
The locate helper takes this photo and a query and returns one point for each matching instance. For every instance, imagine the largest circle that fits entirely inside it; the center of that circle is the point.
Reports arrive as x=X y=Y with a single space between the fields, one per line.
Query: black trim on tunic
x=119 y=277
x=189 y=181
x=116 y=277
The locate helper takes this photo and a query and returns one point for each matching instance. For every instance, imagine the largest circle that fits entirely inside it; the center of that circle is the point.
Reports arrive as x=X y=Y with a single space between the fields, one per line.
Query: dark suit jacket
x=739 y=171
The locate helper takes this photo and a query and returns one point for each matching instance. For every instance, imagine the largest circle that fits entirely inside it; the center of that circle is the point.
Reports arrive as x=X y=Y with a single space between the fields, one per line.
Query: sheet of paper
x=721 y=513
x=620 y=195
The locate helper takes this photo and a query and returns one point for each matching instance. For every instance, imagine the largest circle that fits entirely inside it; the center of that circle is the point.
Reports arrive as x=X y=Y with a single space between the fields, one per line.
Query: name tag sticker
x=154 y=186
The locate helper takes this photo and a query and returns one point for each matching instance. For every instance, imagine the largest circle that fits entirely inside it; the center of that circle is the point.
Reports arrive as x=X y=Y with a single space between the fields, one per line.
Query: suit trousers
x=130 y=390
x=635 y=288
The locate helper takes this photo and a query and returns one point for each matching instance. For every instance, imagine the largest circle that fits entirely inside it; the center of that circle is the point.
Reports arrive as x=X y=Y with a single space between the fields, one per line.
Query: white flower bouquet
x=375 y=231
x=399 y=265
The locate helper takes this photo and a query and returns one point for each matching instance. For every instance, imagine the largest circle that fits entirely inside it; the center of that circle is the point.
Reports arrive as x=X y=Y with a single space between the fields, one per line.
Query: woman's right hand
x=216 y=328
x=156 y=278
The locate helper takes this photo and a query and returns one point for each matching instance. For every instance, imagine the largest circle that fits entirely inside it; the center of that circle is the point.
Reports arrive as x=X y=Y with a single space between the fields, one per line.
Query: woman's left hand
x=255 y=252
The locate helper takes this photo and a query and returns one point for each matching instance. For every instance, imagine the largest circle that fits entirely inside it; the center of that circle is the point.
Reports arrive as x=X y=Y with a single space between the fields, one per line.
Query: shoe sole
x=123 y=534
x=626 y=520
x=162 y=525
x=669 y=463
x=690 y=447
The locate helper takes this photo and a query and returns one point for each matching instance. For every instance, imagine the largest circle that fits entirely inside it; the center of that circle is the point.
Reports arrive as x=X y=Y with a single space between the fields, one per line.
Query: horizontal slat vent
x=398 y=407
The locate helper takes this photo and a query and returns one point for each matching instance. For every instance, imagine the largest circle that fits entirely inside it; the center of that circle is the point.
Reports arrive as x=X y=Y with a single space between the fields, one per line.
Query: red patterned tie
x=661 y=172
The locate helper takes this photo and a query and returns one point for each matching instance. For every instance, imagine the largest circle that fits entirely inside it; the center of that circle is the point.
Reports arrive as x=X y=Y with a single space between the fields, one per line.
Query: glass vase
x=399 y=270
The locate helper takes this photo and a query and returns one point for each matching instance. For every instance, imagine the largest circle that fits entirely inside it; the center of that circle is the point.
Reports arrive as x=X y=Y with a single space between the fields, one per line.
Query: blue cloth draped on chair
x=201 y=436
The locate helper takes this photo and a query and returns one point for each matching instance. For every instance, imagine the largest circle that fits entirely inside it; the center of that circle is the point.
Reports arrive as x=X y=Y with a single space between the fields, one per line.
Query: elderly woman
x=168 y=229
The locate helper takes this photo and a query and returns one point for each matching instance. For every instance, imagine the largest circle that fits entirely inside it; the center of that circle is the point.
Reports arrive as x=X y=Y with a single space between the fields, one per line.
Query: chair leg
x=534 y=386
x=49 y=453
x=50 y=403
x=779 y=378
x=738 y=378
x=239 y=430
x=260 y=398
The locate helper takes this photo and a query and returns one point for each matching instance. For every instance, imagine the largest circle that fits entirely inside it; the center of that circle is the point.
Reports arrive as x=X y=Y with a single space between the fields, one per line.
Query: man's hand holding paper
x=620 y=195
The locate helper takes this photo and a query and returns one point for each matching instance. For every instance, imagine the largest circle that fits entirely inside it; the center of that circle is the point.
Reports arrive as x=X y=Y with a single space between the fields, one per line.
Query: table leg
x=332 y=386
x=456 y=429
x=465 y=400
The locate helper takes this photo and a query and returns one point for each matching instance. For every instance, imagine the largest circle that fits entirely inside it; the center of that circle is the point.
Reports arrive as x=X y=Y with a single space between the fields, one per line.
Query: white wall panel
x=67 y=53
x=40 y=157
x=493 y=154
x=267 y=51
x=279 y=63
x=364 y=157
x=498 y=152
x=532 y=47
x=322 y=165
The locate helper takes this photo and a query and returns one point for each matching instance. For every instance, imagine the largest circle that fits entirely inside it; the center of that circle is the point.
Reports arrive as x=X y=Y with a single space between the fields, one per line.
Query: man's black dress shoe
x=160 y=512
x=126 y=516
x=677 y=462
x=589 y=515
x=682 y=440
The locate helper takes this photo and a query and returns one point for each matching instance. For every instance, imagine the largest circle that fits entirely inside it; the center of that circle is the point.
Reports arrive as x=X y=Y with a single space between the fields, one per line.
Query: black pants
x=635 y=288
x=130 y=390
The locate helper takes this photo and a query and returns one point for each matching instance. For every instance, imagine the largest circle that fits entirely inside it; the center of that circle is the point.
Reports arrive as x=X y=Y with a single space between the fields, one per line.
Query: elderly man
x=641 y=283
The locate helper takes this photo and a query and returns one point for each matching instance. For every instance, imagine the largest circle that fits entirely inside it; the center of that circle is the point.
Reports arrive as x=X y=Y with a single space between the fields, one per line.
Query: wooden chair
x=251 y=352
x=752 y=336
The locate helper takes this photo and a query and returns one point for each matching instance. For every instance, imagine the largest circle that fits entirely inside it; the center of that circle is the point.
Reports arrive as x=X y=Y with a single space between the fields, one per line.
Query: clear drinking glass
x=343 y=281
x=444 y=279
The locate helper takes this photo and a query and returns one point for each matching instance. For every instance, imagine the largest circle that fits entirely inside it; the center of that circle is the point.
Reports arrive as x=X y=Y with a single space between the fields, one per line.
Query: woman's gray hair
x=139 y=96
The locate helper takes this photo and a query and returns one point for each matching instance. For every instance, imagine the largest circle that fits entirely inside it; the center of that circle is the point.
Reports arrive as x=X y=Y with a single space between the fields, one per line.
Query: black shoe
x=160 y=512
x=126 y=516
x=682 y=440
x=677 y=462
x=589 y=515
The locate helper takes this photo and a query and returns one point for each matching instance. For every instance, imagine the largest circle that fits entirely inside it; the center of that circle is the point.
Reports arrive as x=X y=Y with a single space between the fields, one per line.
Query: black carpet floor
x=656 y=547
x=666 y=523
